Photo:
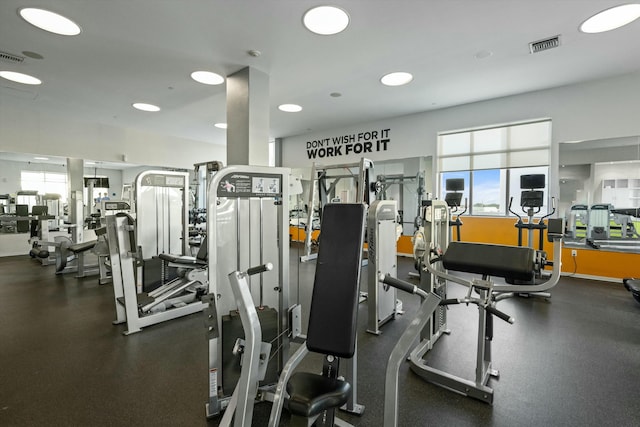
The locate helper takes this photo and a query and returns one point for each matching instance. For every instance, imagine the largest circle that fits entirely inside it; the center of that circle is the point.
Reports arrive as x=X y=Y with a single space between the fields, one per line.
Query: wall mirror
x=600 y=192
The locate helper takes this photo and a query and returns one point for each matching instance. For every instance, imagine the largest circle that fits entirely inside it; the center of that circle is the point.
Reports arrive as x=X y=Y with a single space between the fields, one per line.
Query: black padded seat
x=201 y=258
x=81 y=247
x=311 y=394
x=510 y=262
x=184 y=260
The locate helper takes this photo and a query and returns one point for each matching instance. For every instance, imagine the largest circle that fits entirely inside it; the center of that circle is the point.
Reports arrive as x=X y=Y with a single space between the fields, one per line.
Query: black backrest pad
x=334 y=303
x=512 y=262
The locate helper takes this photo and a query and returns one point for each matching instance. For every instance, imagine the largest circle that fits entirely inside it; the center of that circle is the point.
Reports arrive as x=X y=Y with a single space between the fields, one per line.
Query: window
x=489 y=192
x=488 y=188
x=45 y=182
x=492 y=160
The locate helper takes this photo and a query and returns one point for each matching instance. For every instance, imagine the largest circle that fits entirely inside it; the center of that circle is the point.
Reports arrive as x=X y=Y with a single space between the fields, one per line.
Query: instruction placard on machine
x=158 y=180
x=250 y=185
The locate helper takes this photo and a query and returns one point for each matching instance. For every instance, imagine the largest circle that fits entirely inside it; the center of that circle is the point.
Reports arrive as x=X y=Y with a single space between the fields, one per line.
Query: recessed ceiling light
x=396 y=79
x=146 y=107
x=290 y=108
x=20 y=78
x=207 y=77
x=611 y=19
x=50 y=21
x=326 y=20
x=221 y=125
x=41 y=158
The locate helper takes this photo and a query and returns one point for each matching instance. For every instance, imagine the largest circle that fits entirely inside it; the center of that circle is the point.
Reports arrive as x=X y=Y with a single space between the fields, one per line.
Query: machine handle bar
x=500 y=314
x=398 y=284
x=466 y=207
x=490 y=309
x=260 y=269
x=515 y=213
x=553 y=209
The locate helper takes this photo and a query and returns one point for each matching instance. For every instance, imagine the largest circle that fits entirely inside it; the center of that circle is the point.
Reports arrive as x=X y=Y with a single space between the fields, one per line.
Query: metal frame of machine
x=129 y=248
x=322 y=192
x=247 y=224
x=382 y=237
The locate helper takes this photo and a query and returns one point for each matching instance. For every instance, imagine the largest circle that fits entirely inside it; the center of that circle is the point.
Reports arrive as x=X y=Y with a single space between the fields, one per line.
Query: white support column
x=248 y=118
x=75 y=182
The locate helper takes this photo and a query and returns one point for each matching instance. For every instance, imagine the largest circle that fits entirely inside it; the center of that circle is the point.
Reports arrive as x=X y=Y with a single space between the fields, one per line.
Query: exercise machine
x=429 y=221
x=578 y=222
x=513 y=263
x=435 y=235
x=516 y=264
x=154 y=280
x=323 y=189
x=247 y=225
x=531 y=202
x=161 y=208
x=599 y=224
x=382 y=235
x=174 y=299
x=453 y=199
x=332 y=324
x=381 y=187
x=70 y=257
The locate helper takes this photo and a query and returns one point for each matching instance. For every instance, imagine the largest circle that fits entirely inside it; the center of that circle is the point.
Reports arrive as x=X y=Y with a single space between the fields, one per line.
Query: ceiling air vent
x=546 y=44
x=10 y=57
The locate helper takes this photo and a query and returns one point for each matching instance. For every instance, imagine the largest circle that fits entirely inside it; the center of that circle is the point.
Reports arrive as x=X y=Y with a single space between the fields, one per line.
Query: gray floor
x=573 y=361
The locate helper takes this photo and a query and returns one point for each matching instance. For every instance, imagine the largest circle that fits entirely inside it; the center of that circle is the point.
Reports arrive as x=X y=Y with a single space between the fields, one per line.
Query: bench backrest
x=334 y=302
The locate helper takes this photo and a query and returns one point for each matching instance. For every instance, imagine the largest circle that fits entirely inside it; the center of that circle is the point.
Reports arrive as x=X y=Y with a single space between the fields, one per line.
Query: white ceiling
x=144 y=51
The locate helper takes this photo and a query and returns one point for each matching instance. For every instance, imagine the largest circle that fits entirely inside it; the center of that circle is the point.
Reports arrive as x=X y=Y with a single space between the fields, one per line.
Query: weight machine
x=382 y=236
x=325 y=192
x=144 y=252
x=382 y=184
x=247 y=225
x=513 y=263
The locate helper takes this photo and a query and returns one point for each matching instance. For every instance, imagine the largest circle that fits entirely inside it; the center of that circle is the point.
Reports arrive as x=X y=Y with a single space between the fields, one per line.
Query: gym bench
x=333 y=320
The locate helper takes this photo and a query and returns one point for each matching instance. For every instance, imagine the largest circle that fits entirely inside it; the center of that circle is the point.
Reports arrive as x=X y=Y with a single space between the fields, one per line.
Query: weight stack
x=231 y=331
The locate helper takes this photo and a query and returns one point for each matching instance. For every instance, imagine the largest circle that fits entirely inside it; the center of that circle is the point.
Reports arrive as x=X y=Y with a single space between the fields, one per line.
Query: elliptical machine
x=453 y=198
x=531 y=202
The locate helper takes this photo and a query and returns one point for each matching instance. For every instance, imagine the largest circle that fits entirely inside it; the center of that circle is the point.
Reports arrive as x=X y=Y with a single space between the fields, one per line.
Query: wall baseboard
x=590 y=277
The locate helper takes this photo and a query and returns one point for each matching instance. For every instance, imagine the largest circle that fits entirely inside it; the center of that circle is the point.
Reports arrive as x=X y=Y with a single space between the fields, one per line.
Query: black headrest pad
x=334 y=302
x=510 y=262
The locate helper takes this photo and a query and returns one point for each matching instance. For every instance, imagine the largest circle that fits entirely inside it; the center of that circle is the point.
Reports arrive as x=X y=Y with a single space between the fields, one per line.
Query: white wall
x=599 y=109
x=23 y=130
